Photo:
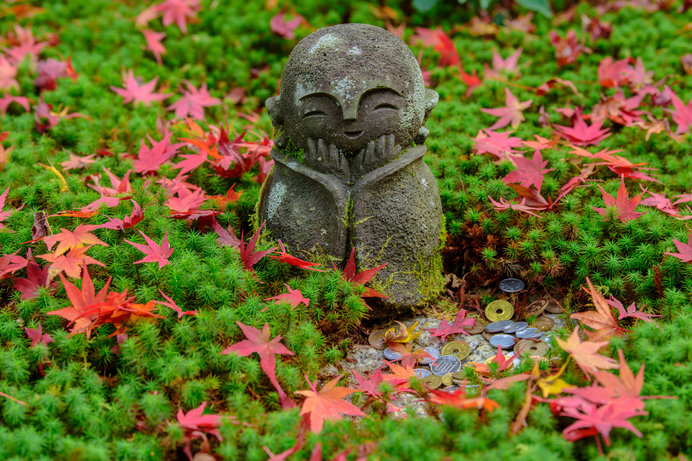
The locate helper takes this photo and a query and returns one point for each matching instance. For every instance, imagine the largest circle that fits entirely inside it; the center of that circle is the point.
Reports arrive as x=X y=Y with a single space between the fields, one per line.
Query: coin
x=458 y=376
x=499 y=310
x=489 y=360
x=433 y=352
x=478 y=327
x=450 y=389
x=504 y=341
x=376 y=339
x=531 y=347
x=512 y=285
x=498 y=326
x=445 y=364
x=460 y=349
x=535 y=309
x=516 y=326
x=553 y=307
x=421 y=373
x=528 y=333
x=544 y=323
x=447 y=380
x=390 y=354
x=432 y=381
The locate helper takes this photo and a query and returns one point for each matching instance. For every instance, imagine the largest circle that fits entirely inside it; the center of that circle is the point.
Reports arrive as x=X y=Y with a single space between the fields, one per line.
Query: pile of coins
x=444 y=366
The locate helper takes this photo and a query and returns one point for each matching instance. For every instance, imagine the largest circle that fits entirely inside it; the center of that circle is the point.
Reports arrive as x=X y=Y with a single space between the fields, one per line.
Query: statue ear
x=272 y=105
x=431 y=99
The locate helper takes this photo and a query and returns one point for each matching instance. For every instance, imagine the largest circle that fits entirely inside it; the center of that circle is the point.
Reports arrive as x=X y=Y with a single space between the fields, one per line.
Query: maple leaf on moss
x=154 y=44
x=77 y=238
x=510 y=114
x=684 y=250
x=293 y=297
x=286 y=258
x=529 y=172
x=327 y=404
x=631 y=311
x=150 y=159
x=172 y=304
x=446 y=329
x=134 y=92
x=501 y=145
x=11 y=263
x=585 y=353
x=6 y=214
x=71 y=263
x=196 y=424
x=283 y=28
x=8 y=99
x=37 y=336
x=582 y=134
x=36 y=278
x=623 y=206
x=458 y=399
x=258 y=341
x=682 y=115
x=155 y=253
x=601 y=320
x=193 y=102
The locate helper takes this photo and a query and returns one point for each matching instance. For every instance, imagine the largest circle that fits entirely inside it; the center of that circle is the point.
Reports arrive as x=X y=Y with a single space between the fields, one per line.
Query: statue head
x=350 y=84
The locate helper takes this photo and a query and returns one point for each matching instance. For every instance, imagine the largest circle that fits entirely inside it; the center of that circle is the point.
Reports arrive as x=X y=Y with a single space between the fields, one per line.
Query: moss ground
x=95 y=404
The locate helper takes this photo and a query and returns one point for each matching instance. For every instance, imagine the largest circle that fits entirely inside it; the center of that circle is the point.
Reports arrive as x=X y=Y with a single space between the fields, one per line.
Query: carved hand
x=378 y=152
x=326 y=158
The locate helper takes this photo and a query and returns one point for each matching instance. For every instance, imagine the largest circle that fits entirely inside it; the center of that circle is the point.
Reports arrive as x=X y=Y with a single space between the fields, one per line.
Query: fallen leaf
x=585 y=353
x=327 y=403
x=155 y=253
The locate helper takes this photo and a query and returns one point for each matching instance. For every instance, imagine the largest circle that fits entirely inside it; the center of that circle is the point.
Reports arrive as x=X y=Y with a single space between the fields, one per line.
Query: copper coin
x=460 y=349
x=499 y=310
x=376 y=339
x=447 y=379
x=526 y=346
x=553 y=307
x=478 y=327
x=432 y=381
x=544 y=323
x=536 y=308
x=458 y=376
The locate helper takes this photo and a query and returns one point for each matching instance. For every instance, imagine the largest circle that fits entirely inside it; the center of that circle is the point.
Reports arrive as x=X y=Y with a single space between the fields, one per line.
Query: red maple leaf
x=23 y=43
x=77 y=238
x=11 y=263
x=441 y=42
x=154 y=44
x=363 y=277
x=8 y=72
x=46 y=118
x=615 y=73
x=500 y=360
x=193 y=102
x=227 y=236
x=149 y=160
x=582 y=134
x=623 y=206
x=293 y=297
x=155 y=253
x=127 y=222
x=661 y=202
x=71 y=262
x=293 y=261
x=170 y=303
x=400 y=377
x=685 y=250
x=118 y=186
x=8 y=99
x=134 y=92
x=445 y=329
x=77 y=162
x=501 y=145
x=283 y=28
x=6 y=214
x=458 y=399
x=508 y=64
x=36 y=278
x=511 y=113
x=601 y=320
x=248 y=255
x=371 y=385
x=682 y=114
x=37 y=336
x=196 y=424
x=222 y=201
x=528 y=172
x=258 y=341
x=567 y=49
x=585 y=353
x=327 y=403
x=178 y=11
x=630 y=312
x=50 y=70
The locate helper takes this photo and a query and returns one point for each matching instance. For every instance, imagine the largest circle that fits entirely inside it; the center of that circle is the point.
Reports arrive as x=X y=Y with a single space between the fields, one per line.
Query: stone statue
x=349 y=168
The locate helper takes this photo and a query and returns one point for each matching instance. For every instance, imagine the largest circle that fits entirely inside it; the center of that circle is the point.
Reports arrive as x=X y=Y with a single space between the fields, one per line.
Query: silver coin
x=421 y=373
x=432 y=352
x=504 y=341
x=446 y=364
x=450 y=389
x=391 y=355
x=516 y=326
x=528 y=333
x=512 y=285
x=498 y=326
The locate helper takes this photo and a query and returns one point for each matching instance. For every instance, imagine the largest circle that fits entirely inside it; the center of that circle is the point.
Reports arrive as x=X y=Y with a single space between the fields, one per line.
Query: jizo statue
x=349 y=171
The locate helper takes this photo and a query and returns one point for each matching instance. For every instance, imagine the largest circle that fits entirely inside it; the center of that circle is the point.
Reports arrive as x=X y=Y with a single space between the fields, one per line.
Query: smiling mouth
x=353 y=134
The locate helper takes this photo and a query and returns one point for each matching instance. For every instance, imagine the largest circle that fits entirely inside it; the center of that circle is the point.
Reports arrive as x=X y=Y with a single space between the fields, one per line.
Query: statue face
x=348 y=123
x=349 y=85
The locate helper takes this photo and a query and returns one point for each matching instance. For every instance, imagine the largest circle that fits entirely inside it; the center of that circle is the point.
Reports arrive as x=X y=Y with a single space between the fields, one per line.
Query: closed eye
x=313 y=113
x=386 y=105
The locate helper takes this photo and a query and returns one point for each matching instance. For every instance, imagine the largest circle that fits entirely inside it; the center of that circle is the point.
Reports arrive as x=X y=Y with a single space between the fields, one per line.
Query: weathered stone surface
x=347 y=173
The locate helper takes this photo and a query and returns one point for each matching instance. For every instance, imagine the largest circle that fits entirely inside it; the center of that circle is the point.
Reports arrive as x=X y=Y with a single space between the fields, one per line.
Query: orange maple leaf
x=71 y=263
x=601 y=320
x=327 y=404
x=77 y=238
x=585 y=353
x=625 y=385
x=458 y=399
